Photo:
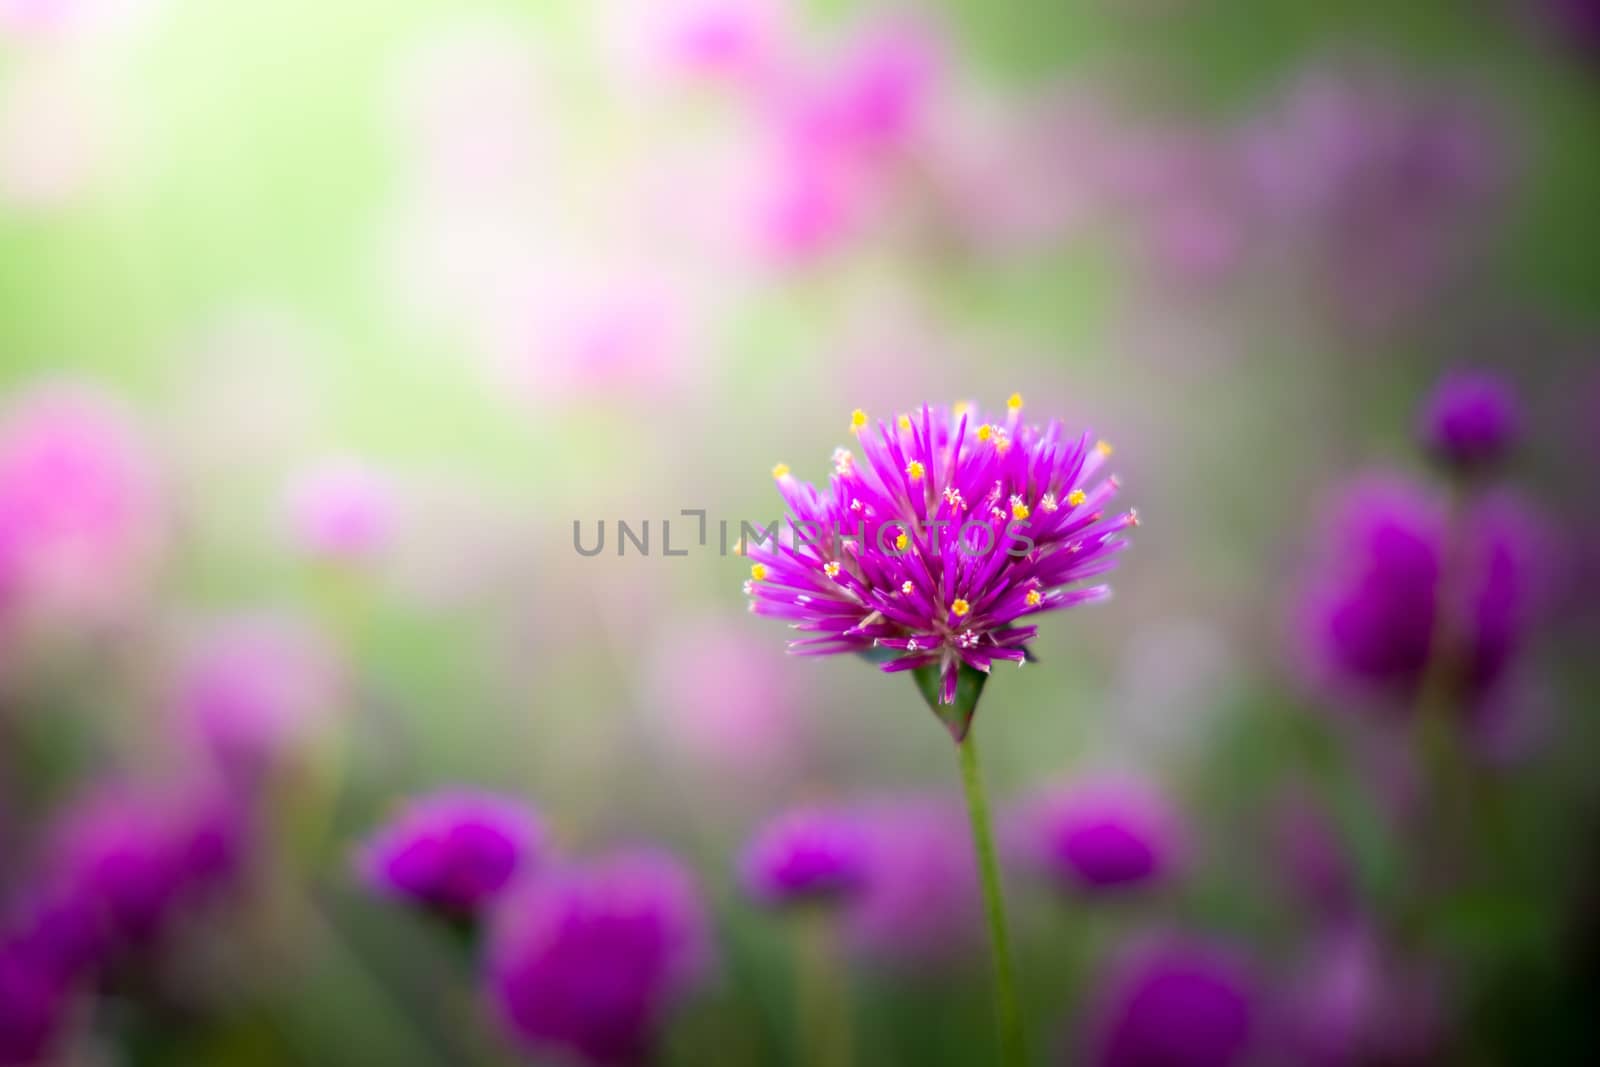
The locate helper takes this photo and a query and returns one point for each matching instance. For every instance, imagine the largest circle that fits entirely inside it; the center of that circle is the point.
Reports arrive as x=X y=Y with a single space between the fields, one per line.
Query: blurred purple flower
x=589 y=959
x=1347 y=1002
x=1313 y=860
x=805 y=856
x=254 y=690
x=33 y=1008
x=937 y=595
x=341 y=511
x=122 y=863
x=919 y=902
x=1102 y=834
x=1173 y=1002
x=1471 y=420
x=1369 y=612
x=1387 y=184
x=1578 y=20
x=453 y=851
x=79 y=509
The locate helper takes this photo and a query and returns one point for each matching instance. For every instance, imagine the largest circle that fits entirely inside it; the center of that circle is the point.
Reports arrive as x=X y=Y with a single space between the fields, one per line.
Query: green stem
x=823 y=1007
x=1007 y=1014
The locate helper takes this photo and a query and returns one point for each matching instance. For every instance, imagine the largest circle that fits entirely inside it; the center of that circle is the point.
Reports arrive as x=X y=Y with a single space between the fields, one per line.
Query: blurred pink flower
x=80 y=513
x=253 y=691
x=751 y=723
x=919 y=902
x=341 y=510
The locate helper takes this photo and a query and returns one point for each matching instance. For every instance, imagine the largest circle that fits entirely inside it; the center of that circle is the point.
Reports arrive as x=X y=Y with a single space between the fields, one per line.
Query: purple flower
x=1102 y=834
x=919 y=902
x=1471 y=420
x=588 y=959
x=1384 y=182
x=1369 y=614
x=1174 y=1002
x=33 y=1007
x=1579 y=20
x=941 y=541
x=453 y=851
x=809 y=854
x=341 y=511
x=121 y=863
x=1348 y=1000
x=255 y=690
x=1314 y=861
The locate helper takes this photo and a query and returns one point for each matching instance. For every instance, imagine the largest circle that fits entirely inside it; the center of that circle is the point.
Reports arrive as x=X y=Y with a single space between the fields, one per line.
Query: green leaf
x=957 y=717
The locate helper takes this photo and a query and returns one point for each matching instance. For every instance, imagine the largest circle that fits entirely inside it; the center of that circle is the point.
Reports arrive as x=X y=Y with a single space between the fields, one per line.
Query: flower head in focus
x=806 y=855
x=1470 y=421
x=589 y=959
x=940 y=542
x=1103 y=834
x=453 y=851
x=1174 y=1002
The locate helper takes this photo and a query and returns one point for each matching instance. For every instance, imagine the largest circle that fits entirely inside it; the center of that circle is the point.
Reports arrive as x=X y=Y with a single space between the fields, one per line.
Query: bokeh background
x=322 y=324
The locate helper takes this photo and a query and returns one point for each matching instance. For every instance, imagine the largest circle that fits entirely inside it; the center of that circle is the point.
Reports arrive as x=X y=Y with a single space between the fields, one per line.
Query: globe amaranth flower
x=1174 y=1002
x=941 y=541
x=453 y=851
x=806 y=855
x=1102 y=834
x=1470 y=421
x=1370 y=612
x=589 y=959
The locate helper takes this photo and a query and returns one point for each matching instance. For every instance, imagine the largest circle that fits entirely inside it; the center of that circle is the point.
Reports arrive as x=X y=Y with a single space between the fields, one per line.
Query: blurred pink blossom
x=80 y=512
x=253 y=691
x=751 y=722
x=341 y=510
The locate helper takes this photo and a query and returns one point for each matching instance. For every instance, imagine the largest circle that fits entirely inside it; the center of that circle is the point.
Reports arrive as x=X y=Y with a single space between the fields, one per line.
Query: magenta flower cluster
x=942 y=541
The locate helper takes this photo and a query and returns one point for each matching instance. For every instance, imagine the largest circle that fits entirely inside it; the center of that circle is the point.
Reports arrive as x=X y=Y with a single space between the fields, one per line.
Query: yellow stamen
x=1015 y=403
x=901 y=542
x=758 y=571
x=780 y=470
x=1019 y=510
x=1077 y=497
x=960 y=608
x=916 y=470
x=831 y=569
x=858 y=420
x=960 y=408
x=1035 y=598
x=1103 y=447
x=904 y=422
x=906 y=587
x=985 y=432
